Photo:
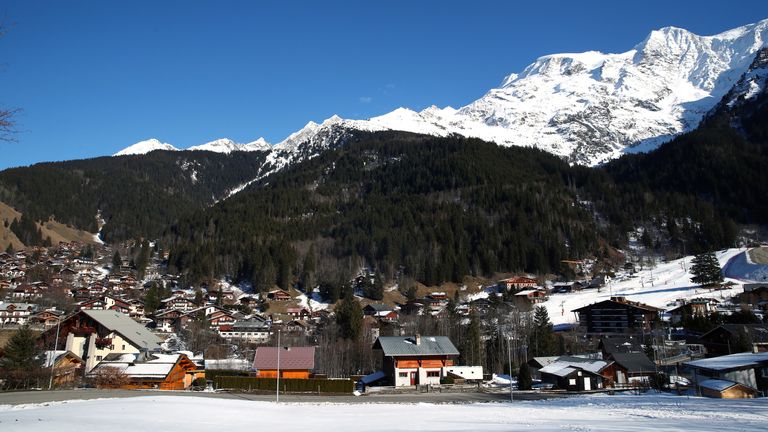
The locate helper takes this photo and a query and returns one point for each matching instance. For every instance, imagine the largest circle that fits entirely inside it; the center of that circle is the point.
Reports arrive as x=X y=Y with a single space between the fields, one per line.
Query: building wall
x=735 y=392
x=272 y=373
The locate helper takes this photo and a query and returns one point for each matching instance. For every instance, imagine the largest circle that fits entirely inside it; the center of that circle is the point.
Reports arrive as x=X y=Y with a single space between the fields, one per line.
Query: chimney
x=418 y=339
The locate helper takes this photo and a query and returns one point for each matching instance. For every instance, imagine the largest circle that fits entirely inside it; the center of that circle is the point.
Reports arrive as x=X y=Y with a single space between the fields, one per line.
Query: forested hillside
x=434 y=209
x=138 y=196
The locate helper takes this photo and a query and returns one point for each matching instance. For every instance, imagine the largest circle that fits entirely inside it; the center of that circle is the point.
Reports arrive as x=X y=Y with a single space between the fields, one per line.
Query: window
x=433 y=374
x=403 y=374
x=572 y=382
x=98 y=358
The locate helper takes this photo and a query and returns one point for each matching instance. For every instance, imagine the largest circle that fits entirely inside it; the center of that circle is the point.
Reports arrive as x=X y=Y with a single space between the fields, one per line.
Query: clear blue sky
x=93 y=77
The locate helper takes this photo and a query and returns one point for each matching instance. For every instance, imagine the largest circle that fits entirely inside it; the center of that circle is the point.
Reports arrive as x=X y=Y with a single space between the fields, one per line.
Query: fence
x=287 y=385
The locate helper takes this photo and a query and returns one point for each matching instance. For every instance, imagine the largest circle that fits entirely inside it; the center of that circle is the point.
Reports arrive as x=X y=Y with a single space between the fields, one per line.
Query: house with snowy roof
x=415 y=360
x=149 y=370
x=718 y=374
x=577 y=373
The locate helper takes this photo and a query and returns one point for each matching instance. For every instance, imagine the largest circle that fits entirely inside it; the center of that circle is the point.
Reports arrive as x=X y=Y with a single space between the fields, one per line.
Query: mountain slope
x=588 y=107
x=137 y=195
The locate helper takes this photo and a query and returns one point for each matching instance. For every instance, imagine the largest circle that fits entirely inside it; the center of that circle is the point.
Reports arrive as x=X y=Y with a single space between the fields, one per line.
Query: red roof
x=290 y=358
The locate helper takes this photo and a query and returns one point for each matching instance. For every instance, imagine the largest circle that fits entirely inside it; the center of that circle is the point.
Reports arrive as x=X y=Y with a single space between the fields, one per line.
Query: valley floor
x=584 y=413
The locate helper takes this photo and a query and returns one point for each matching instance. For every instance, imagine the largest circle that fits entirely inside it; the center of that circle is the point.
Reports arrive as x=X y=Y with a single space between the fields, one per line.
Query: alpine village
x=367 y=258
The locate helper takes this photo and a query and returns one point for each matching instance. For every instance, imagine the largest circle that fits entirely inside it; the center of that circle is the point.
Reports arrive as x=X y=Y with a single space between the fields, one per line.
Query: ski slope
x=658 y=287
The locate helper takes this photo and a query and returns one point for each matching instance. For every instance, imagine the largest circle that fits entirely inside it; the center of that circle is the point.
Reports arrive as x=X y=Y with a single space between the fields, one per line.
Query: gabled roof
x=732 y=361
x=720 y=385
x=620 y=301
x=566 y=364
x=407 y=346
x=156 y=366
x=290 y=358
x=636 y=362
x=754 y=332
x=129 y=329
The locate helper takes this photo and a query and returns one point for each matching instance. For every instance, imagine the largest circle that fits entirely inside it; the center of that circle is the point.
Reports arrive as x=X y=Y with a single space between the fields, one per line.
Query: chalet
x=691 y=308
x=150 y=371
x=532 y=296
x=249 y=300
x=749 y=369
x=27 y=292
x=377 y=310
x=16 y=313
x=252 y=331
x=279 y=295
x=577 y=373
x=94 y=334
x=178 y=302
x=168 y=320
x=292 y=362
x=755 y=295
x=298 y=327
x=516 y=283
x=617 y=315
x=727 y=338
x=610 y=345
x=66 y=367
x=298 y=312
x=415 y=360
x=633 y=369
x=47 y=318
x=221 y=317
x=567 y=287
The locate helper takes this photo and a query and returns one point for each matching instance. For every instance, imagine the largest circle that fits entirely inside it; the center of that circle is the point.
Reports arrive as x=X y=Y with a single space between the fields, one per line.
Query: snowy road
x=588 y=413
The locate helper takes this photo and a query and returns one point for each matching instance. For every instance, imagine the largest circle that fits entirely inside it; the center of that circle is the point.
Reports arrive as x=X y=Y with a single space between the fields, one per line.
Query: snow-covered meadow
x=585 y=413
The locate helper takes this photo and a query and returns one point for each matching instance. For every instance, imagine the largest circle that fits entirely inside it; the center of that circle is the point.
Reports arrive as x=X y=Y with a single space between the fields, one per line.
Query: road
x=42 y=397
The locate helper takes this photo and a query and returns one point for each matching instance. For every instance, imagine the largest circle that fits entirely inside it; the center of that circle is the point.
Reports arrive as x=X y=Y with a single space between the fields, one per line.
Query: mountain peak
x=144 y=147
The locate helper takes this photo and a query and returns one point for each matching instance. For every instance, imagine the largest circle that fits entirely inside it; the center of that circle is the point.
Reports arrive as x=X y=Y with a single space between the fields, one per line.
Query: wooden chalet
x=724 y=389
x=94 y=334
x=577 y=374
x=279 y=295
x=415 y=360
x=617 y=315
x=66 y=367
x=723 y=339
x=748 y=369
x=517 y=283
x=292 y=362
x=150 y=371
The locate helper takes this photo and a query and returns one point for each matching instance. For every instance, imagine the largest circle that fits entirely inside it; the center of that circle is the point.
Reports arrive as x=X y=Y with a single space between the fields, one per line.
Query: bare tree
x=7 y=115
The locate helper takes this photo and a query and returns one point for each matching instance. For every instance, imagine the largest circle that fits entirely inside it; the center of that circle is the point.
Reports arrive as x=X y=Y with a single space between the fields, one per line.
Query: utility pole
x=509 y=356
x=53 y=353
x=277 y=390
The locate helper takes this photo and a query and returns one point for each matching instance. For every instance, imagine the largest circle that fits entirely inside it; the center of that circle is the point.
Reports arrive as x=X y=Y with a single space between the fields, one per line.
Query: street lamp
x=277 y=390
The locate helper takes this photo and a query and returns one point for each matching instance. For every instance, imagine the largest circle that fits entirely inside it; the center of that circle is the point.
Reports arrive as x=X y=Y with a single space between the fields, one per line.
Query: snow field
x=191 y=414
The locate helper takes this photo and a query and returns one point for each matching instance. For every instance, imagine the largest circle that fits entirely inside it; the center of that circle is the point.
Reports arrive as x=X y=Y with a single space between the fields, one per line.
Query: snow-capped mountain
x=144 y=147
x=226 y=145
x=753 y=83
x=588 y=107
x=222 y=145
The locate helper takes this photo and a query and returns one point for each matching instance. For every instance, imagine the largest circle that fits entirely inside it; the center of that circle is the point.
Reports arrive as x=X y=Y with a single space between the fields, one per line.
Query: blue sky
x=93 y=77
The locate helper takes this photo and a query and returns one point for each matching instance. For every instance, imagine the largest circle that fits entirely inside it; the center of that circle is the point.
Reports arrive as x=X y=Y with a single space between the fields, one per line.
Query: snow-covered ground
x=191 y=414
x=658 y=287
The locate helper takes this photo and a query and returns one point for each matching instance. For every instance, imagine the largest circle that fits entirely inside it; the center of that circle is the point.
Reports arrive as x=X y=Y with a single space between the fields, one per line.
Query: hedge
x=287 y=385
x=212 y=374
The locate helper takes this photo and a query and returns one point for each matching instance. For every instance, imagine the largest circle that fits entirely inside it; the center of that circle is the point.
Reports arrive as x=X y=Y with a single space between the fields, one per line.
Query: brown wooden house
x=617 y=315
x=415 y=360
x=292 y=362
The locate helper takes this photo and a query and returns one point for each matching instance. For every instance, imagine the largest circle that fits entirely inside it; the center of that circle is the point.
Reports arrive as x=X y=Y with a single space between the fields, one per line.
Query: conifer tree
x=706 y=269
x=349 y=317
x=117 y=261
x=21 y=363
x=542 y=340
x=524 y=379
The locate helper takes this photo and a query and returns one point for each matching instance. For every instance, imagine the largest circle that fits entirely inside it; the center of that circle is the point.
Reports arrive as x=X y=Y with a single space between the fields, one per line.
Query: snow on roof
x=558 y=366
x=228 y=364
x=731 y=361
x=717 y=384
x=406 y=346
x=158 y=366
